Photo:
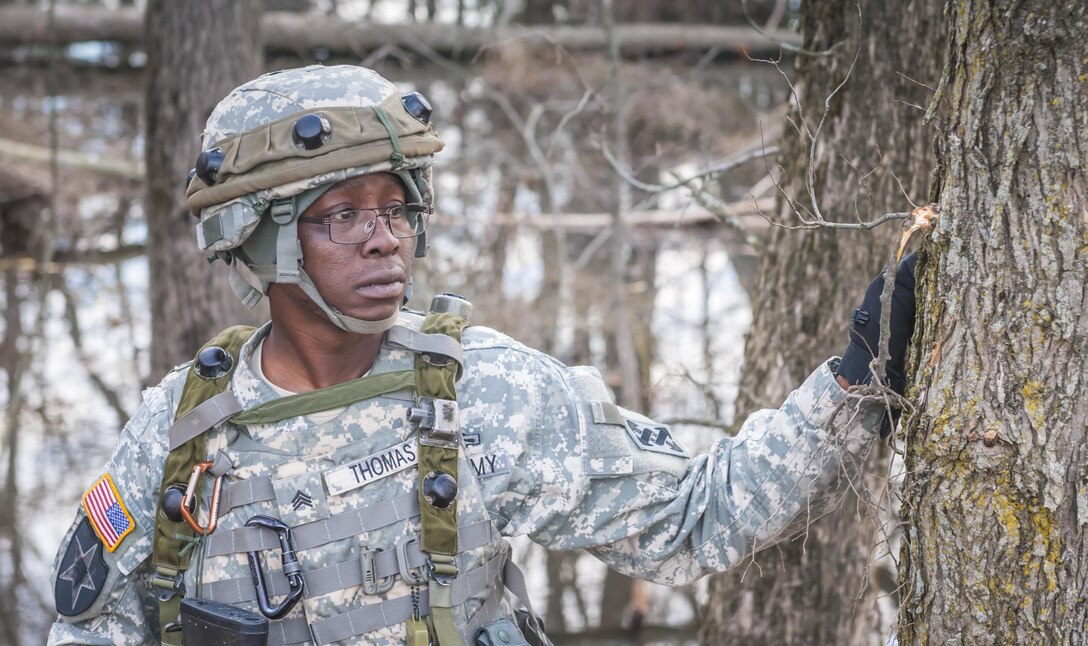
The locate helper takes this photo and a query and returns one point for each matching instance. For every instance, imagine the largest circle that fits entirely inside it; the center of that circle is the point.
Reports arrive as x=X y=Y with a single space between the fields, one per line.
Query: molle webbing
x=244 y=492
x=173 y=541
x=343 y=575
x=376 y=616
x=309 y=535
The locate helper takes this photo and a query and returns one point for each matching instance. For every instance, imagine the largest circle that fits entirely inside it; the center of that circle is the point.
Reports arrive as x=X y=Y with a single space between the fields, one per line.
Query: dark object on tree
x=22 y=205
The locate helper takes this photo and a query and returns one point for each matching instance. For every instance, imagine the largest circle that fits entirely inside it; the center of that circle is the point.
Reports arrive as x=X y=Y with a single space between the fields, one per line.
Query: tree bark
x=292 y=32
x=814 y=589
x=204 y=48
x=995 y=497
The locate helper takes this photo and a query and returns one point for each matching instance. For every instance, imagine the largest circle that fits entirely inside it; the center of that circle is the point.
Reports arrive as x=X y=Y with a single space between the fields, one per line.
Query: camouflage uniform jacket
x=546 y=454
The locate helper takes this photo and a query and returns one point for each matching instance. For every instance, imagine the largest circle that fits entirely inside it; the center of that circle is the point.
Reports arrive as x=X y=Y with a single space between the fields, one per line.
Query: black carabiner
x=291 y=568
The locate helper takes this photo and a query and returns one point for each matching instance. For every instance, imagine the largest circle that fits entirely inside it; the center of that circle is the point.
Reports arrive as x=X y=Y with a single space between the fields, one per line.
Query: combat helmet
x=275 y=144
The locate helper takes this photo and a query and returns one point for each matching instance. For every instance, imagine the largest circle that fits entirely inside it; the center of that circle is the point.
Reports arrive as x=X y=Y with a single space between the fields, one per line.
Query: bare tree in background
x=22 y=222
x=200 y=50
x=996 y=497
x=871 y=154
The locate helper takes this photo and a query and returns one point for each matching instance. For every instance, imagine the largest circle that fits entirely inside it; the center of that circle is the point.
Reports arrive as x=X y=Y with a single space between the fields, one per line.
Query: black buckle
x=169 y=587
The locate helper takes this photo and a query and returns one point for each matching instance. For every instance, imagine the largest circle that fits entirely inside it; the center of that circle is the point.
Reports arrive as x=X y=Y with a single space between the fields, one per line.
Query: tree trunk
x=814 y=589
x=995 y=502
x=204 y=48
x=12 y=577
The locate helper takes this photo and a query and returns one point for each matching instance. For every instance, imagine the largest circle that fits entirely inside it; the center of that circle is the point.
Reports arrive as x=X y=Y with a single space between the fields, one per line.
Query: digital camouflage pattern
x=284 y=93
x=545 y=455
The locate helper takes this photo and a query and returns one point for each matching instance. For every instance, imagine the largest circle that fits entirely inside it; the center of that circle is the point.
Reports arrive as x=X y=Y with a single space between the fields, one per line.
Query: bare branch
x=763 y=31
x=705 y=173
x=71 y=313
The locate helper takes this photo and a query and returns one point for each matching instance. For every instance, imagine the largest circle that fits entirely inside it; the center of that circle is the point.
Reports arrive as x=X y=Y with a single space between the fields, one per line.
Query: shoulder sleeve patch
x=81 y=572
x=654 y=438
x=106 y=513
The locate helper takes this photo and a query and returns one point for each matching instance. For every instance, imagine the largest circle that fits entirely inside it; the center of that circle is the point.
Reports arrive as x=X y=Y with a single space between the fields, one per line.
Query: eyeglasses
x=358 y=225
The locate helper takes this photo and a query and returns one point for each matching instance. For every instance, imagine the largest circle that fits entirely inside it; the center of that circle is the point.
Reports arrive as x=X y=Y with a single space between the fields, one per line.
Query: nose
x=381 y=242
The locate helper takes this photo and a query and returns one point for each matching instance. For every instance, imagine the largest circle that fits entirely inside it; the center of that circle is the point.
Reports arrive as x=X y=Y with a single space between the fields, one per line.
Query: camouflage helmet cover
x=370 y=130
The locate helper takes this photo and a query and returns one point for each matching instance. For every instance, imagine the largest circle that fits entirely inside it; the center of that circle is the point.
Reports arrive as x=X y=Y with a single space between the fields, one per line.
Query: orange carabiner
x=190 y=491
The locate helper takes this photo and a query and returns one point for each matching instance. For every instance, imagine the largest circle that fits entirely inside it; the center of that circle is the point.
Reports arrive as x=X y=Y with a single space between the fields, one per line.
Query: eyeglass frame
x=419 y=209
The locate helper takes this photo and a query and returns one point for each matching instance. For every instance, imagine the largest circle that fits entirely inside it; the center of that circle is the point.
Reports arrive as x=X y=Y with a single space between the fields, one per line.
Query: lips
x=382 y=284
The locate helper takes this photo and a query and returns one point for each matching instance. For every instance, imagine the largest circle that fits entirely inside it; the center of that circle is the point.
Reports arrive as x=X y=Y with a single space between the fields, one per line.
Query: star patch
x=654 y=438
x=108 y=516
x=81 y=572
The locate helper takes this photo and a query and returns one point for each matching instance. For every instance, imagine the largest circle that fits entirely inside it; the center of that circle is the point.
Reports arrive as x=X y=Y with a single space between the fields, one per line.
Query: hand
x=865 y=331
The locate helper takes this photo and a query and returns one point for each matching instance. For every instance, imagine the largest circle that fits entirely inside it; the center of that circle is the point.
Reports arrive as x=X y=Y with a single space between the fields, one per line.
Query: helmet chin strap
x=340 y=320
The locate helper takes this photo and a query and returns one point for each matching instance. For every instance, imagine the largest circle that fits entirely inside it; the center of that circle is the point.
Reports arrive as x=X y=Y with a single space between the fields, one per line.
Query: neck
x=301 y=360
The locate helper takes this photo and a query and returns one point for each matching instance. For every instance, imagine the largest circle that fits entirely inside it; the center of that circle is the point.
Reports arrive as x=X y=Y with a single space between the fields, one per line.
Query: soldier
x=381 y=457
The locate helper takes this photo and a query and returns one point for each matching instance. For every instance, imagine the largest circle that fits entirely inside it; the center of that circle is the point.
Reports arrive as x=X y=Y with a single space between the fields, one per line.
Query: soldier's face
x=367 y=280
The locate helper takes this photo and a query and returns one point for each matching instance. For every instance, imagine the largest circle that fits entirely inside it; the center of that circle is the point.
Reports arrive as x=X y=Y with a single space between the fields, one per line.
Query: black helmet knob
x=207 y=165
x=189 y=177
x=311 y=131
x=439 y=489
x=417 y=105
x=213 y=362
x=171 y=502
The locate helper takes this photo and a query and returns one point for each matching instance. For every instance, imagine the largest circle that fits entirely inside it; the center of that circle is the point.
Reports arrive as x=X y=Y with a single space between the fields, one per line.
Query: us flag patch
x=108 y=516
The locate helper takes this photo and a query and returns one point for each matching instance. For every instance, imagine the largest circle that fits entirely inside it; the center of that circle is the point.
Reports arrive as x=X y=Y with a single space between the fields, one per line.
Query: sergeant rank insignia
x=108 y=516
x=81 y=572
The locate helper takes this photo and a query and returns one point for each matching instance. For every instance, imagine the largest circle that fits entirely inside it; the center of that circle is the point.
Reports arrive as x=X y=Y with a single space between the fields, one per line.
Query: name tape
x=373 y=467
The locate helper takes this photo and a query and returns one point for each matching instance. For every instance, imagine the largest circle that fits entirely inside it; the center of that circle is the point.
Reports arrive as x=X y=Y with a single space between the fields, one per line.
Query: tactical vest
x=389 y=527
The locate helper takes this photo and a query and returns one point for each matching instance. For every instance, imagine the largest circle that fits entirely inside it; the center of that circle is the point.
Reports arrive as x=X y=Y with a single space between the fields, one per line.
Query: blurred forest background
x=633 y=184
x=527 y=96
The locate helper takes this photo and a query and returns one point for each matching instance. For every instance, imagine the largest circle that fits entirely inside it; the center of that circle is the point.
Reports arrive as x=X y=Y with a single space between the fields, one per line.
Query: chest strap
x=225 y=405
x=222 y=405
x=173 y=541
x=439 y=448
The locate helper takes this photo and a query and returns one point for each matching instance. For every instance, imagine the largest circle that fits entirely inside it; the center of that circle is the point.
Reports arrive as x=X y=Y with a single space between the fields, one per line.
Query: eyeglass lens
x=403 y=221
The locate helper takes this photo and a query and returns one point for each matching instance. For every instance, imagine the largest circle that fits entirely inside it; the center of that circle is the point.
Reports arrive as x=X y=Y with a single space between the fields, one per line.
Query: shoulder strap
x=439 y=447
x=173 y=541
